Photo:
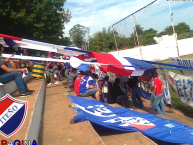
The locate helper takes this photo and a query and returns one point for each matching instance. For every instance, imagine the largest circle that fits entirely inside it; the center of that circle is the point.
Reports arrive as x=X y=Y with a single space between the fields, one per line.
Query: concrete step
x=56 y=127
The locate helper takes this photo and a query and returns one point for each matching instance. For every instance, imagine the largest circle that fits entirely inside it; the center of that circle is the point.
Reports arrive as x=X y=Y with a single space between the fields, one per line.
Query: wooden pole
x=137 y=37
x=174 y=30
x=115 y=40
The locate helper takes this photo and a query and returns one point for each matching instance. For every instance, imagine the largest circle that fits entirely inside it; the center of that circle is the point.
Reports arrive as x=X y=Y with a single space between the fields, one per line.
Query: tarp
x=77 y=63
x=123 y=66
x=123 y=119
x=144 y=94
x=182 y=85
x=7 y=41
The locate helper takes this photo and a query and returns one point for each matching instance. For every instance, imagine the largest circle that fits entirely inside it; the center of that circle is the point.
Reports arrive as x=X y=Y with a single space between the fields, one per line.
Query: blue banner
x=144 y=94
x=120 y=118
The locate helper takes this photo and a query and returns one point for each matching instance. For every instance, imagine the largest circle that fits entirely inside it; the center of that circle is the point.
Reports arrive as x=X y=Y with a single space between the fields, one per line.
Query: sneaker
x=57 y=82
x=27 y=93
x=26 y=70
x=50 y=83
x=24 y=75
x=31 y=90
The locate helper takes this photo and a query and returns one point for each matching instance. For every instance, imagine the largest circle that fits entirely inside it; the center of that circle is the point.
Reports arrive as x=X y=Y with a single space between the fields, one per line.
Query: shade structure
x=123 y=65
x=78 y=64
x=8 y=41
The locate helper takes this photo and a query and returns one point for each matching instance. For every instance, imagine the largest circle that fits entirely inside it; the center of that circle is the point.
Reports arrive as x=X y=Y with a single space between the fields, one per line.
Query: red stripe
x=10 y=37
x=4 y=105
x=111 y=60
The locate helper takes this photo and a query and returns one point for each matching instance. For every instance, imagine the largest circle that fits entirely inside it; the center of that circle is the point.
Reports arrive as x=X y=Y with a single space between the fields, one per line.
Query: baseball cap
x=80 y=72
x=101 y=79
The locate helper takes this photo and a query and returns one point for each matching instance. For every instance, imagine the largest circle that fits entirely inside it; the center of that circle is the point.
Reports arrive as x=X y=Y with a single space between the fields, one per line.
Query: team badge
x=13 y=113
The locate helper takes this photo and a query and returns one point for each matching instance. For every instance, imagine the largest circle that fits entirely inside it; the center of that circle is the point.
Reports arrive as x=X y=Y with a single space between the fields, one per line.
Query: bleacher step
x=56 y=127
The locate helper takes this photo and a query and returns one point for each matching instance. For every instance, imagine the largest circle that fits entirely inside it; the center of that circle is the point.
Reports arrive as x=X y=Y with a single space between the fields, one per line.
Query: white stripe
x=9 y=112
x=123 y=61
x=74 y=59
x=137 y=73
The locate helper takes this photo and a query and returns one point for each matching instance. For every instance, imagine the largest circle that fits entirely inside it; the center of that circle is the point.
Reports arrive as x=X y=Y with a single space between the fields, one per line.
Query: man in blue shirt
x=87 y=88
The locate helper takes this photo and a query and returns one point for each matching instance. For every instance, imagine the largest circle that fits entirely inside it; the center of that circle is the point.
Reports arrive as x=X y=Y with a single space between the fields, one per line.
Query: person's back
x=87 y=87
x=84 y=85
x=132 y=82
x=159 y=84
x=77 y=83
x=158 y=94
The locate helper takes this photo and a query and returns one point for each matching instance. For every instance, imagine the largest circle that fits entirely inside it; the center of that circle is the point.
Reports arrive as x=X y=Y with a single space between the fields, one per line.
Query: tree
x=139 y=30
x=147 y=37
x=78 y=33
x=103 y=41
x=182 y=28
x=41 y=20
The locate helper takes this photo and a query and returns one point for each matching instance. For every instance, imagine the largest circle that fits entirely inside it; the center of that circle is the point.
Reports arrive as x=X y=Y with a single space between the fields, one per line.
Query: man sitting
x=71 y=76
x=87 y=87
x=77 y=82
x=9 y=74
x=119 y=95
x=53 y=69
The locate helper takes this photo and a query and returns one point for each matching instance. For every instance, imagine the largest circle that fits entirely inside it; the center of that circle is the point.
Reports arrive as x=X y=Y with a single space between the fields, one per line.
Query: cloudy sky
x=97 y=14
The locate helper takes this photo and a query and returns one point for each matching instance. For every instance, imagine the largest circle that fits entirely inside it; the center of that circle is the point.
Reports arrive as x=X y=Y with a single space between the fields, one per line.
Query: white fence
x=159 y=51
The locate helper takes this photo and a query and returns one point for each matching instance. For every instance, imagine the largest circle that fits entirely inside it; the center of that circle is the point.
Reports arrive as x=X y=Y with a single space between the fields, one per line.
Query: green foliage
x=102 y=41
x=41 y=20
x=147 y=37
x=179 y=29
x=77 y=34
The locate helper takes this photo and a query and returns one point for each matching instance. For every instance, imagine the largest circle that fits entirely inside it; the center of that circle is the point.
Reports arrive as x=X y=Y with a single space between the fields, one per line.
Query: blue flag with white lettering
x=120 y=118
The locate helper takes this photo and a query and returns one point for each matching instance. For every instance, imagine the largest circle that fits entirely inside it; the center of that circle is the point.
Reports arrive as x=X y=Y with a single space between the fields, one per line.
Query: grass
x=176 y=102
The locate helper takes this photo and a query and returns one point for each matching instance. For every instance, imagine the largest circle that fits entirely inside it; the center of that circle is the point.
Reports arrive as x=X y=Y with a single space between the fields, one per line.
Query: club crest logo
x=13 y=113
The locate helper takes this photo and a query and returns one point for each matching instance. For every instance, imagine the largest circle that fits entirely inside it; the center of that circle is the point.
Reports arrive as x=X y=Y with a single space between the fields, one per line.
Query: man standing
x=87 y=88
x=158 y=94
x=133 y=84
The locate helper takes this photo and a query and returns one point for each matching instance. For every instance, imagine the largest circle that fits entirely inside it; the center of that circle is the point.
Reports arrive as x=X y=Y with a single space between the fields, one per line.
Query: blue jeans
x=124 y=87
x=123 y=98
x=136 y=98
x=90 y=92
x=152 y=101
x=159 y=104
x=8 y=77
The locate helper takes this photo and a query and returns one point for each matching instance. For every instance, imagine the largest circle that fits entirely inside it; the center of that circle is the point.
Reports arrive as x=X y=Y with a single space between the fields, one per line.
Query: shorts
x=90 y=92
x=54 y=70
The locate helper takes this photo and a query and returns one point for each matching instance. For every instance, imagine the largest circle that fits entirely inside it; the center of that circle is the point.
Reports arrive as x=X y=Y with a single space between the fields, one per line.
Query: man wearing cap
x=87 y=88
x=77 y=82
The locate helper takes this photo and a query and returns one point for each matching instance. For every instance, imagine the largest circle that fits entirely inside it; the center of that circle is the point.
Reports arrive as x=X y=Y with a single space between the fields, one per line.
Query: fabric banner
x=123 y=119
x=144 y=94
x=166 y=91
x=182 y=85
x=182 y=62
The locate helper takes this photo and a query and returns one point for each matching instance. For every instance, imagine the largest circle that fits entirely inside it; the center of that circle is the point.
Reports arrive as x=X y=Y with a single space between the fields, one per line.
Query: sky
x=97 y=14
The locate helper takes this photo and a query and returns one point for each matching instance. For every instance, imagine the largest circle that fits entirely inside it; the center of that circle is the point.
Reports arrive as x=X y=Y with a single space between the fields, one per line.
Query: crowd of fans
x=84 y=83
